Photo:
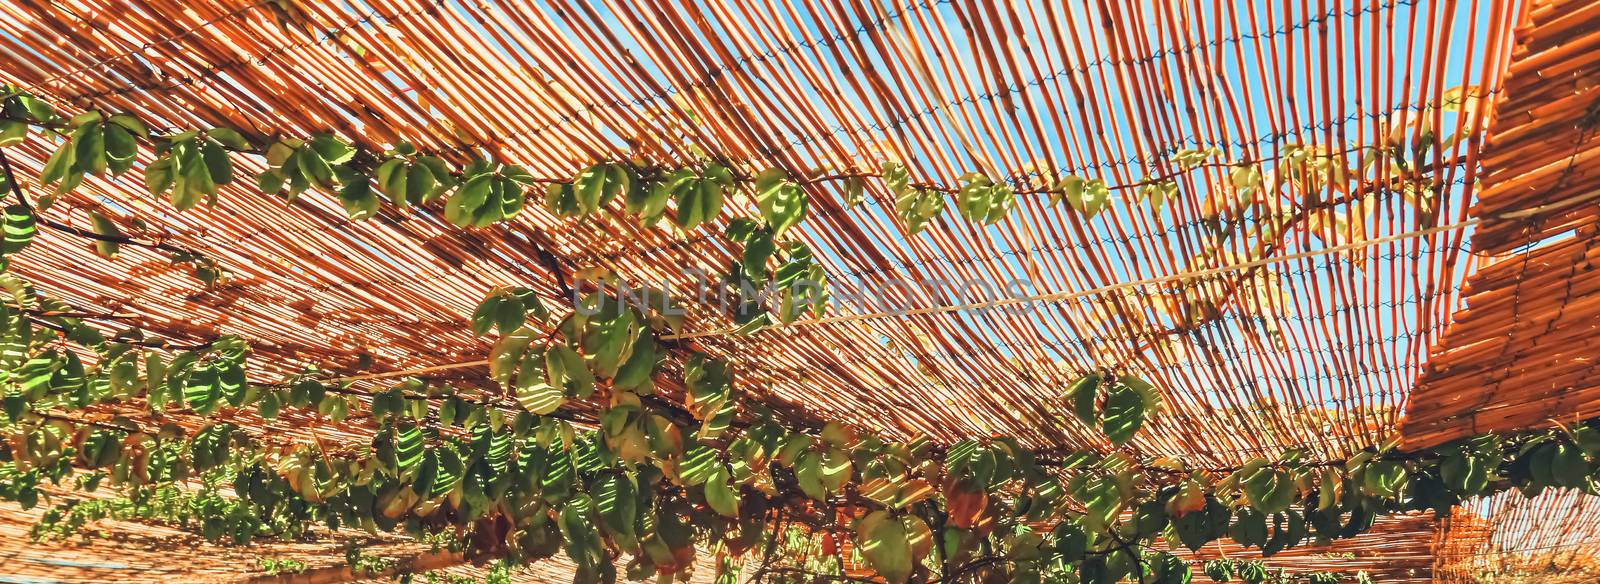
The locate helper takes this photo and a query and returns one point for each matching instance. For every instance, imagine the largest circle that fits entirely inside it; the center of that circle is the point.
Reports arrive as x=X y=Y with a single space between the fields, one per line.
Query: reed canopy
x=800 y=291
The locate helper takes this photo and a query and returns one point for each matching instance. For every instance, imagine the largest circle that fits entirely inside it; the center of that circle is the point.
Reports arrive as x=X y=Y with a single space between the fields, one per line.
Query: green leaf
x=1094 y=198
x=392 y=178
x=218 y=165
x=487 y=314
x=87 y=119
x=493 y=448
x=442 y=179
x=451 y=469
x=782 y=202
x=36 y=109
x=1288 y=530
x=1101 y=497
x=700 y=201
x=331 y=149
x=1081 y=395
x=1253 y=573
x=467 y=199
x=357 y=197
x=1270 y=490
x=1150 y=518
x=1385 y=478
x=232 y=383
x=155 y=374
x=836 y=469
x=854 y=191
x=105 y=228
x=808 y=473
x=59 y=164
x=1586 y=437
x=538 y=396
x=182 y=162
x=650 y=203
x=209 y=448
x=506 y=200
x=982 y=200
x=698 y=465
x=229 y=137
x=578 y=528
x=120 y=149
x=530 y=303
x=758 y=247
x=721 y=496
x=507 y=353
x=15 y=343
x=158 y=175
x=203 y=391
x=1245 y=178
x=635 y=375
x=12 y=132
x=561 y=200
x=269 y=405
x=89 y=145
x=198 y=180
x=1072 y=542
x=609 y=341
x=1159 y=193
x=1069 y=189
x=1537 y=458
x=567 y=370
x=19 y=229
x=270 y=182
x=1174 y=570
x=617 y=498
x=509 y=316
x=1464 y=473
x=130 y=124
x=311 y=169
x=1219 y=570
x=1568 y=466
x=598 y=185
x=1198 y=528
x=914 y=206
x=407 y=448
x=1124 y=413
x=421 y=185
x=1249 y=528
x=882 y=541
x=103 y=448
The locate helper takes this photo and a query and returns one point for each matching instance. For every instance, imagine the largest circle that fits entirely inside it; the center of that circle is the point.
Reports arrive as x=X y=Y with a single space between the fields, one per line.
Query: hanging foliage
x=653 y=488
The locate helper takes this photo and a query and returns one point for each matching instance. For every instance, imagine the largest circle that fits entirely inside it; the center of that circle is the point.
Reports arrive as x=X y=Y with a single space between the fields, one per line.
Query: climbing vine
x=652 y=478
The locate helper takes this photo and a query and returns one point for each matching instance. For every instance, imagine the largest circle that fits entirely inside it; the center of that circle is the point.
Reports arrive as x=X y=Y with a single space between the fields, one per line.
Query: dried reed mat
x=1313 y=351
x=1524 y=351
x=1553 y=537
x=1307 y=347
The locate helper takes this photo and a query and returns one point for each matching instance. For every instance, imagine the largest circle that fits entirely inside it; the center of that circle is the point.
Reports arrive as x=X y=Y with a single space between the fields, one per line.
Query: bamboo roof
x=1398 y=549
x=1325 y=367
x=1521 y=353
x=1552 y=537
x=1310 y=338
